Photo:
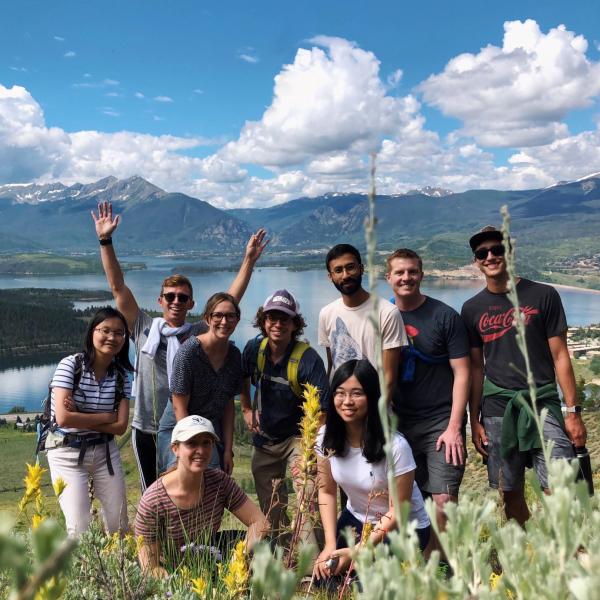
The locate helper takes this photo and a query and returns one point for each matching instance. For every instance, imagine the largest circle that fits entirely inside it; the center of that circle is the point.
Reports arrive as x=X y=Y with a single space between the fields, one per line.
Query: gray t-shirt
x=151 y=381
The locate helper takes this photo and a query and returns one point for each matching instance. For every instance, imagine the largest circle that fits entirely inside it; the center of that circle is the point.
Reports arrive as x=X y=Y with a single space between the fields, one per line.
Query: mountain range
x=561 y=220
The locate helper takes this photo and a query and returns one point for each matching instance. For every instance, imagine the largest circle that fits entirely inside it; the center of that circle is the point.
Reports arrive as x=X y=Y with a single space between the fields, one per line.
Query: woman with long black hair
x=89 y=406
x=351 y=455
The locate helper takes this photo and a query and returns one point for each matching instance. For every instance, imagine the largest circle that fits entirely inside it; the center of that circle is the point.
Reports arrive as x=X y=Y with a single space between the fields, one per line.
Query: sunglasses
x=278 y=318
x=170 y=297
x=497 y=250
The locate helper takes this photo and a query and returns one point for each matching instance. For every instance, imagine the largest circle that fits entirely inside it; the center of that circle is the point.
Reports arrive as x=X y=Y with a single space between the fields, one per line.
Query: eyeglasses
x=278 y=318
x=170 y=297
x=106 y=331
x=350 y=268
x=230 y=317
x=341 y=395
x=497 y=250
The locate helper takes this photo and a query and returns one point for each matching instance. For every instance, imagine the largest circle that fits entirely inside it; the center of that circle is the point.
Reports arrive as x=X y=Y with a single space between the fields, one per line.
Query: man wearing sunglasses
x=278 y=365
x=157 y=340
x=500 y=432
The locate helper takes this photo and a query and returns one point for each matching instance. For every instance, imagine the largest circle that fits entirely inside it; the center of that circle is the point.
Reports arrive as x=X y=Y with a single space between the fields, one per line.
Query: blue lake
x=25 y=382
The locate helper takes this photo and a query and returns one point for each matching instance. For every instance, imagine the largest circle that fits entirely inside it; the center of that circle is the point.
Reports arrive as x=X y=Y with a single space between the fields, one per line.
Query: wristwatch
x=574 y=409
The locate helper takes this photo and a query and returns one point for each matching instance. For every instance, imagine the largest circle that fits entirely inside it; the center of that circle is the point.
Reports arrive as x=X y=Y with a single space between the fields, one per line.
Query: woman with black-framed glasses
x=206 y=376
x=89 y=406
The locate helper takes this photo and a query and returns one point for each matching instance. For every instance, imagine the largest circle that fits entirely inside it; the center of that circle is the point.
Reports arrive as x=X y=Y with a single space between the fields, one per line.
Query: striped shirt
x=91 y=396
x=159 y=519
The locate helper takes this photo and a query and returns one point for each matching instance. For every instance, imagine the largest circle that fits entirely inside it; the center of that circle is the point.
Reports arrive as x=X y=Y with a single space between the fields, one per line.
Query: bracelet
x=105 y=241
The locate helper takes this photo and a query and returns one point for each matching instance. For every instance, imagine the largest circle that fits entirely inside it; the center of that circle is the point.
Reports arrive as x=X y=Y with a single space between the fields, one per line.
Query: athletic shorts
x=508 y=474
x=434 y=475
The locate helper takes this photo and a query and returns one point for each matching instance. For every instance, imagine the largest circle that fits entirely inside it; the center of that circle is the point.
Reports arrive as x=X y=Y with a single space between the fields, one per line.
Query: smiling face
x=279 y=326
x=350 y=401
x=175 y=302
x=492 y=266
x=345 y=272
x=223 y=319
x=405 y=276
x=109 y=336
x=194 y=454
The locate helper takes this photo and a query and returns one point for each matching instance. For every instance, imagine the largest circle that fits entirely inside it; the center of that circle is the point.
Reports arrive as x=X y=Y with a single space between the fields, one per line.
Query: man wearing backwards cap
x=274 y=415
x=498 y=370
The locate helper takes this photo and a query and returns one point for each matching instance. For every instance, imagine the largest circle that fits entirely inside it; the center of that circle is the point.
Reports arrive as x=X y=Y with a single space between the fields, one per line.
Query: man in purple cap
x=501 y=431
x=278 y=364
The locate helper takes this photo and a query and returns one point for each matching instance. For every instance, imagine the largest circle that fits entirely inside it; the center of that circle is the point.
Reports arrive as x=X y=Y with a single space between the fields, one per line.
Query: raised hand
x=105 y=224
x=256 y=244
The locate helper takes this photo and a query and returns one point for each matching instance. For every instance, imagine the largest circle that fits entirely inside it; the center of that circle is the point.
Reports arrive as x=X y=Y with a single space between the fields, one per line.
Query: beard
x=350 y=286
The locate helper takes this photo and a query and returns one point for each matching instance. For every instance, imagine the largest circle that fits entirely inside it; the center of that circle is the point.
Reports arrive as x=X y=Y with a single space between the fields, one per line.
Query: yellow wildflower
x=309 y=428
x=53 y=588
x=33 y=479
x=59 y=486
x=112 y=544
x=494 y=580
x=199 y=586
x=236 y=576
x=366 y=532
x=36 y=521
x=139 y=542
x=39 y=502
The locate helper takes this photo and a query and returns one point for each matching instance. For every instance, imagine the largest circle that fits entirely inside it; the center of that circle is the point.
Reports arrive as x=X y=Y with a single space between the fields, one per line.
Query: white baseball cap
x=190 y=426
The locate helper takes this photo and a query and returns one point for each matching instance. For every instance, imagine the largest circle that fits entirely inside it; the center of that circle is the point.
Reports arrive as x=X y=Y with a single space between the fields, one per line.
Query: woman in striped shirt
x=180 y=514
x=89 y=406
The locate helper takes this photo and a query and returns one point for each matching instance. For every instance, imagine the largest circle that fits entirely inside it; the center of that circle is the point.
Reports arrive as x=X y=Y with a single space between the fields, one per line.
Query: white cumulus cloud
x=517 y=95
x=329 y=99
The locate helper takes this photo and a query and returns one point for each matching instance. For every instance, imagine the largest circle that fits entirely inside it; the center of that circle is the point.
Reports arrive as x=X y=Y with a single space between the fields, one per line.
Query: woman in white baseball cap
x=182 y=511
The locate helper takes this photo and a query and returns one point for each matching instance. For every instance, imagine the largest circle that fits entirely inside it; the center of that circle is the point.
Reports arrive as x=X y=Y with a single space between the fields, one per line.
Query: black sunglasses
x=497 y=250
x=170 y=297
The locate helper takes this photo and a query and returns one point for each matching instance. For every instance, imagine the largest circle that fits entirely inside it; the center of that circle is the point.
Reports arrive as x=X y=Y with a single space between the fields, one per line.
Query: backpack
x=292 y=367
x=47 y=423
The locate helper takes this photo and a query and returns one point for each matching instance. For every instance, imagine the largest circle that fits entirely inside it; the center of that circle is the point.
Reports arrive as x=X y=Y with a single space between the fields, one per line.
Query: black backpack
x=47 y=423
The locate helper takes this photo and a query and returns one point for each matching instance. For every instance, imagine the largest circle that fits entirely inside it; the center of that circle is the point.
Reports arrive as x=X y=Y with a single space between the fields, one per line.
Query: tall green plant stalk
x=519 y=325
x=387 y=420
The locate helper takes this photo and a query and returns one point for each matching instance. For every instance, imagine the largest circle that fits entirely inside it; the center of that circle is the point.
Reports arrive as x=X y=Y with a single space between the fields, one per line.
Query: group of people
x=436 y=365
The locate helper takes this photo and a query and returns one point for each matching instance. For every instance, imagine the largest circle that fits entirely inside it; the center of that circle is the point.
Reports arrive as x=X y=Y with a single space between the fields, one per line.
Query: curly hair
x=261 y=317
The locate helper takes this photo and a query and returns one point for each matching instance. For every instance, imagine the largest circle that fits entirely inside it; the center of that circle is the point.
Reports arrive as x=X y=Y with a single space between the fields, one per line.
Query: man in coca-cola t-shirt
x=496 y=357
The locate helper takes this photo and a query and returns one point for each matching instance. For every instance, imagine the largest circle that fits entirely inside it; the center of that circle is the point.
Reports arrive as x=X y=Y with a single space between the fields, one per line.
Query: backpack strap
x=293 y=364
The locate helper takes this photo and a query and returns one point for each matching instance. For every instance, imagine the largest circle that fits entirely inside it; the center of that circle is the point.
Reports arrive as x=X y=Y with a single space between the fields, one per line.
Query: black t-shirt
x=489 y=321
x=281 y=408
x=435 y=329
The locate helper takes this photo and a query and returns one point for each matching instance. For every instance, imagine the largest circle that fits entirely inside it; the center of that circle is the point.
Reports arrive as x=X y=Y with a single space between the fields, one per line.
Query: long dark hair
x=89 y=352
x=334 y=440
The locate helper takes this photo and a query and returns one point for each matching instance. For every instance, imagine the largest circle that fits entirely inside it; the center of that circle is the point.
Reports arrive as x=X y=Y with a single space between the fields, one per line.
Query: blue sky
x=185 y=94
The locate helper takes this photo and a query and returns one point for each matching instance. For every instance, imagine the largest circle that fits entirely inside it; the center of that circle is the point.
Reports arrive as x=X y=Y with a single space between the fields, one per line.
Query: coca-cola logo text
x=494 y=326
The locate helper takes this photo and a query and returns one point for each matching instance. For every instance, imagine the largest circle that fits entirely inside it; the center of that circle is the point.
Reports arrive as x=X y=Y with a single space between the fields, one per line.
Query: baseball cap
x=190 y=426
x=283 y=301
x=489 y=232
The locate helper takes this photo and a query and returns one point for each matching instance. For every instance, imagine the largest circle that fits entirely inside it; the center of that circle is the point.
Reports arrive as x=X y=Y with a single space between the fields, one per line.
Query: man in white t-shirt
x=345 y=327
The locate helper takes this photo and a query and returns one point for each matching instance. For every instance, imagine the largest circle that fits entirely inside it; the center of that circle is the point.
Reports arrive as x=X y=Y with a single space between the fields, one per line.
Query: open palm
x=105 y=224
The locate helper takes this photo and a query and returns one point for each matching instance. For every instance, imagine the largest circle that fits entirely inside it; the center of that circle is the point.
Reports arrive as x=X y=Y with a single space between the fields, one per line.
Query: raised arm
x=254 y=248
x=105 y=226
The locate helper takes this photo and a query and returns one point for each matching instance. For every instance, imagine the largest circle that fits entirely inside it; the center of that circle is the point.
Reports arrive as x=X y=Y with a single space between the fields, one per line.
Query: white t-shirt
x=360 y=479
x=349 y=333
